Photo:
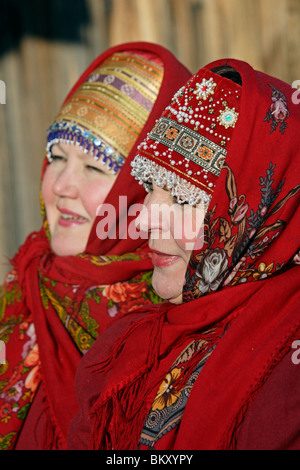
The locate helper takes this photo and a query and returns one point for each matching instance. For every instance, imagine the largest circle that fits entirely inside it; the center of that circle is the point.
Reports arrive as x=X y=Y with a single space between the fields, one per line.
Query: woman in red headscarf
x=216 y=366
x=70 y=279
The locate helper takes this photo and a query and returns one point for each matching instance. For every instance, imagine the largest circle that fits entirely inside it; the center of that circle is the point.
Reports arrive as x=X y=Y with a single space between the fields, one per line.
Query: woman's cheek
x=191 y=222
x=47 y=192
x=94 y=195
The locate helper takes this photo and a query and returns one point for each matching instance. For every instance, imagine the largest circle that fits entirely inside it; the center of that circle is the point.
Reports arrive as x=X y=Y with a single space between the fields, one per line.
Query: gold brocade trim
x=107 y=112
x=151 y=71
x=146 y=88
x=116 y=107
x=118 y=98
x=109 y=131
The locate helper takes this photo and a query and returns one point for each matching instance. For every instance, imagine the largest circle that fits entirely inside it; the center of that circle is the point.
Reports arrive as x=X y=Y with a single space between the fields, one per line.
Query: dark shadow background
x=60 y=20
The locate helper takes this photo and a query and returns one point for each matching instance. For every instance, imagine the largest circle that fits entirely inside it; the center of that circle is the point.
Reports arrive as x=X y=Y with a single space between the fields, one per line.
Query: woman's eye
x=94 y=168
x=180 y=203
x=148 y=185
x=57 y=158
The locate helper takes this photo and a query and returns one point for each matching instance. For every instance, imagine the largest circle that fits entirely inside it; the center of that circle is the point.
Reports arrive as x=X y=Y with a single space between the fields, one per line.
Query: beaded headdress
x=187 y=147
x=106 y=114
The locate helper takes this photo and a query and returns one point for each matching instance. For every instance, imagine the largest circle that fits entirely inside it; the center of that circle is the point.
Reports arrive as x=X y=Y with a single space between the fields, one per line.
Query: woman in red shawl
x=217 y=365
x=67 y=284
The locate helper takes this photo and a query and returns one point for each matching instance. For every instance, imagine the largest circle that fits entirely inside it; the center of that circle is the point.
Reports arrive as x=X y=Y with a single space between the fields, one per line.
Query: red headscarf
x=52 y=308
x=242 y=285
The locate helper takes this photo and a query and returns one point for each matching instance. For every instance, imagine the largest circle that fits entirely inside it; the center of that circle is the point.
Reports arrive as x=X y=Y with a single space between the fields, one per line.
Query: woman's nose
x=142 y=220
x=66 y=183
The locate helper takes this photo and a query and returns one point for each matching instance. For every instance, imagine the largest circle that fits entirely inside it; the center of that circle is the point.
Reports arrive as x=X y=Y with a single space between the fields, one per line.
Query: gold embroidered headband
x=106 y=114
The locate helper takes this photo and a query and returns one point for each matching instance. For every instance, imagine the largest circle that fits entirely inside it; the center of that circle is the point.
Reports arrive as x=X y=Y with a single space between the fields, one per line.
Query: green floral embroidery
x=6 y=440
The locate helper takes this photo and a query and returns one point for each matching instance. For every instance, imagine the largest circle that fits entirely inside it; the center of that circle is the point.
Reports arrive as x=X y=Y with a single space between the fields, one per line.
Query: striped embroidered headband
x=187 y=147
x=106 y=114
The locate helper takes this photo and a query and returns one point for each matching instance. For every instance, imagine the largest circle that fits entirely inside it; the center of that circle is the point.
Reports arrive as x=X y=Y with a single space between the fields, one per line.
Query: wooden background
x=46 y=44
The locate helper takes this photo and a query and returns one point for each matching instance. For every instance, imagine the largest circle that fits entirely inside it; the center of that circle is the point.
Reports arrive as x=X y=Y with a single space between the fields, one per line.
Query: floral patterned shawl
x=53 y=308
x=240 y=314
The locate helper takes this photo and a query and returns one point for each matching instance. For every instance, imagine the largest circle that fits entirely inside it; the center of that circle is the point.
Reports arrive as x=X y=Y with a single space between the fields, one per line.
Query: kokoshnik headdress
x=186 y=149
x=106 y=113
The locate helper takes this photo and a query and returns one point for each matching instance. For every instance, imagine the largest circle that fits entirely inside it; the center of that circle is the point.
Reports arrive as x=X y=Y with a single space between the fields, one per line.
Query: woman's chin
x=168 y=290
x=176 y=300
x=61 y=247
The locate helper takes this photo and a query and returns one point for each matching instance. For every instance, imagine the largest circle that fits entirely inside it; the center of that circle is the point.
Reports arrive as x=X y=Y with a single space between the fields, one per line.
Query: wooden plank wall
x=46 y=45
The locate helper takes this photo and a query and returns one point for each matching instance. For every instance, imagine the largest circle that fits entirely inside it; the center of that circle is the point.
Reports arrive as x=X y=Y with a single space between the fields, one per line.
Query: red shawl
x=52 y=308
x=244 y=299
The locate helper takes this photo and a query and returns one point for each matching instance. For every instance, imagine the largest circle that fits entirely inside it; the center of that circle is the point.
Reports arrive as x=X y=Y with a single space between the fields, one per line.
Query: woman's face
x=173 y=229
x=74 y=185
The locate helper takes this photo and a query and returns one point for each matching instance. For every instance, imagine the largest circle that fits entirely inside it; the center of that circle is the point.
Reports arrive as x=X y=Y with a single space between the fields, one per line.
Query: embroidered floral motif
x=167 y=394
x=233 y=245
x=278 y=112
x=105 y=260
x=172 y=395
x=125 y=297
x=17 y=392
x=228 y=117
x=78 y=321
x=296 y=258
x=205 y=89
x=6 y=439
x=210 y=270
x=263 y=271
x=10 y=293
x=117 y=299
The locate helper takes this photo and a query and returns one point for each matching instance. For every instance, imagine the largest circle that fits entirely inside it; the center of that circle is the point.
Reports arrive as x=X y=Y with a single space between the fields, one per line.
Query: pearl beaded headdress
x=186 y=149
x=107 y=112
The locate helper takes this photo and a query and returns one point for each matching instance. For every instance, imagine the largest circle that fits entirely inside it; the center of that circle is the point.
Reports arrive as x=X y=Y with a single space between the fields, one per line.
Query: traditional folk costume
x=52 y=308
x=220 y=370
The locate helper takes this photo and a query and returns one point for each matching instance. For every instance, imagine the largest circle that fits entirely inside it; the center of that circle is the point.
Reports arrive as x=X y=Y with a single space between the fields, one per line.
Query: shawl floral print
x=224 y=242
x=77 y=309
x=238 y=240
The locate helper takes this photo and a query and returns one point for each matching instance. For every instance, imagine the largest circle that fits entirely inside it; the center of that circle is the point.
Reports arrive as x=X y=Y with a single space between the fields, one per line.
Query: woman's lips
x=69 y=218
x=161 y=260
